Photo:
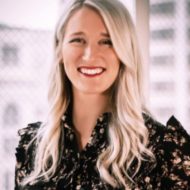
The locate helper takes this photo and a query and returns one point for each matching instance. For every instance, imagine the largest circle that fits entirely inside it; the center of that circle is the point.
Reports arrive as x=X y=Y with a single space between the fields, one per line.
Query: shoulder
x=173 y=132
x=170 y=144
x=25 y=150
x=26 y=135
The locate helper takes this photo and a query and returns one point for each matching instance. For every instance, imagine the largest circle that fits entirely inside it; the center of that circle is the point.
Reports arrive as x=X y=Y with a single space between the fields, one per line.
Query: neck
x=86 y=109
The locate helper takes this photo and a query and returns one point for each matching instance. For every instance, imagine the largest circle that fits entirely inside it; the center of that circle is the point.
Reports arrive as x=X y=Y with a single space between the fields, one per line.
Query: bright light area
x=131 y=7
x=37 y=14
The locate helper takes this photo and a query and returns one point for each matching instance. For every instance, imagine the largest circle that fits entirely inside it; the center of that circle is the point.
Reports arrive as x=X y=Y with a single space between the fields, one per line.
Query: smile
x=93 y=71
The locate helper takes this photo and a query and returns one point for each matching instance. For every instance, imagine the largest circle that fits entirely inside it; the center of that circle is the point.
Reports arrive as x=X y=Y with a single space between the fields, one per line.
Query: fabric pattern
x=77 y=169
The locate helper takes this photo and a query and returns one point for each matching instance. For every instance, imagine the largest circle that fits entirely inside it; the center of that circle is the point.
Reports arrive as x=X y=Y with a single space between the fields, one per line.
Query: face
x=89 y=59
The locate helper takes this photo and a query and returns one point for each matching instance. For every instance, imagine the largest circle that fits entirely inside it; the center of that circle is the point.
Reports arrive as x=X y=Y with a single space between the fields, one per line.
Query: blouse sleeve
x=175 y=157
x=24 y=155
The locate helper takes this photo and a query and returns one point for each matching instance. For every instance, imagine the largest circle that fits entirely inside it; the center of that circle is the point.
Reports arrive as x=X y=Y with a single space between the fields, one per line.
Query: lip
x=91 y=68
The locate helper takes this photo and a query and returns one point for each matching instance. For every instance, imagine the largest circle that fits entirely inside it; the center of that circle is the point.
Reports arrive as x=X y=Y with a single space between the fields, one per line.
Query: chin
x=91 y=90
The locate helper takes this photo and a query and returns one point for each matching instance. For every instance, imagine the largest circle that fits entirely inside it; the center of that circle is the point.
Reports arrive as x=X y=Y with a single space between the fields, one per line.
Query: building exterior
x=25 y=56
x=170 y=59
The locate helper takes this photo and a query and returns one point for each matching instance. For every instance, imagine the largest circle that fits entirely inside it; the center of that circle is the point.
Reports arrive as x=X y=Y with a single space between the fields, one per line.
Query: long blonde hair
x=128 y=136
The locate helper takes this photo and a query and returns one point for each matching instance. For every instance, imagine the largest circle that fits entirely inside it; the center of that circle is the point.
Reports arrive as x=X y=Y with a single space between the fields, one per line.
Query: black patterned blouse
x=77 y=169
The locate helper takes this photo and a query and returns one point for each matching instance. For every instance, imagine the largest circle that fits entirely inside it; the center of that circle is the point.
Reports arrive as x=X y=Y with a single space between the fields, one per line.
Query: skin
x=87 y=45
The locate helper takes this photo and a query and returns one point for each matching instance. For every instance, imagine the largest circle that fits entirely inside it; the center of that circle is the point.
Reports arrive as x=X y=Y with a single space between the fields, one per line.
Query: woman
x=98 y=134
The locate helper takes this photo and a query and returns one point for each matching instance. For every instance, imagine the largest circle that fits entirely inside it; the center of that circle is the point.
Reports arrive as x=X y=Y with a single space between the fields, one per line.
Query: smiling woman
x=98 y=134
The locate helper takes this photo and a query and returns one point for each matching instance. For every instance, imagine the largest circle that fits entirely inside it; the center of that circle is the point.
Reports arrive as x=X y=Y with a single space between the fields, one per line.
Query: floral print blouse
x=77 y=169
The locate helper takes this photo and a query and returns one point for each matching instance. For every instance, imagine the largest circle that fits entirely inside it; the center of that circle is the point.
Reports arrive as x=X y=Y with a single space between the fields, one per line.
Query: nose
x=90 y=53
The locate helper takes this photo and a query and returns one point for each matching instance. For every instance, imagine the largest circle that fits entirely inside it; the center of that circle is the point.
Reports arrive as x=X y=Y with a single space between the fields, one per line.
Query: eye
x=77 y=40
x=106 y=42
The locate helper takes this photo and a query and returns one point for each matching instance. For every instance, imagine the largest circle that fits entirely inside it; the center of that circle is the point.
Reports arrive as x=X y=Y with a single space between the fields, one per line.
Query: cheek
x=70 y=70
x=115 y=65
x=71 y=56
x=70 y=66
x=68 y=59
x=116 y=71
x=66 y=54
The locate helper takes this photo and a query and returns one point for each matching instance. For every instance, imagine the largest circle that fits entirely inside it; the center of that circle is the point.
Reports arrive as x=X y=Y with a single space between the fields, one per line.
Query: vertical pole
x=181 y=77
x=142 y=25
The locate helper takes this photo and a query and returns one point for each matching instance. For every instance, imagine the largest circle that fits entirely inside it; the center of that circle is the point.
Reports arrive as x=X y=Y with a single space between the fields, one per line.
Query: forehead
x=86 y=19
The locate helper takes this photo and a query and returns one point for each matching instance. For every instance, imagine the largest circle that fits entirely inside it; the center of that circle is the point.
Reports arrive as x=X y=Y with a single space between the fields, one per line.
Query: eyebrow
x=82 y=33
x=105 y=34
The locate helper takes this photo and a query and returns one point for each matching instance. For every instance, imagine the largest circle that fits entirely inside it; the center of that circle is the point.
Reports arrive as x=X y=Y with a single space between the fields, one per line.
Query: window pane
x=162 y=60
x=188 y=34
x=162 y=34
x=188 y=7
x=11 y=115
x=10 y=54
x=163 y=8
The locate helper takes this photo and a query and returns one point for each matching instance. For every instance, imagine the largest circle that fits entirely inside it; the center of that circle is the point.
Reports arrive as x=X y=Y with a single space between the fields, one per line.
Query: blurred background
x=26 y=38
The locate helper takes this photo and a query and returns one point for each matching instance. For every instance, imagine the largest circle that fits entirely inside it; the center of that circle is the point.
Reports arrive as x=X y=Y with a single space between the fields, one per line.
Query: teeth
x=91 y=71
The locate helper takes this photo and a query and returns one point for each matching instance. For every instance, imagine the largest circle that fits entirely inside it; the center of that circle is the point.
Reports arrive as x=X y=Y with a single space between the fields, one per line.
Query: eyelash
x=81 y=40
x=78 y=40
x=106 y=42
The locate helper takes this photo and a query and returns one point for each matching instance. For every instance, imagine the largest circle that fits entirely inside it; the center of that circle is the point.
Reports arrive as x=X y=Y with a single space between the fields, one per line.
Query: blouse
x=77 y=170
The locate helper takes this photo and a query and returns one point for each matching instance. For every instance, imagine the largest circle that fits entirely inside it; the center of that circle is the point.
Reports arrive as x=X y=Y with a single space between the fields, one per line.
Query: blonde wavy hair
x=128 y=136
